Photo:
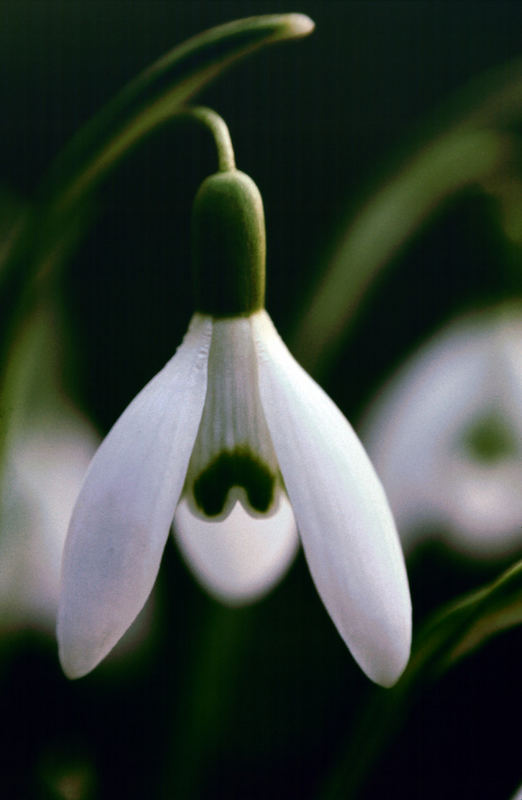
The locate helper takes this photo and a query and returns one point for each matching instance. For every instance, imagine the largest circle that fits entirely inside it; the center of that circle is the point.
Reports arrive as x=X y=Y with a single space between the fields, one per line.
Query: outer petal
x=123 y=514
x=240 y=557
x=347 y=530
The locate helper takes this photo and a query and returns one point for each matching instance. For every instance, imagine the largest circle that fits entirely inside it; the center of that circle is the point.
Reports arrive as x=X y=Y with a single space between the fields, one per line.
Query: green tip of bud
x=229 y=245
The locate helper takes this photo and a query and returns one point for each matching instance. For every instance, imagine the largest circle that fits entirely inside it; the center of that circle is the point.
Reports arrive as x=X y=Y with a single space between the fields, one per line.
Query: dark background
x=316 y=123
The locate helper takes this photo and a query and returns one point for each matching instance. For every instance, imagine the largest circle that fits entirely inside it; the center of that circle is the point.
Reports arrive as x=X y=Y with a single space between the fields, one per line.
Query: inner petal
x=233 y=448
x=240 y=557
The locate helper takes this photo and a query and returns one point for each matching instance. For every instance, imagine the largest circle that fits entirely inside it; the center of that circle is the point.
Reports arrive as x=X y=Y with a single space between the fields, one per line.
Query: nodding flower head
x=240 y=452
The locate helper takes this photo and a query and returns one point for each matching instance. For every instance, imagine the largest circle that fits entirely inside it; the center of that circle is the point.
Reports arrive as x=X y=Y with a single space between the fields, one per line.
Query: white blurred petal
x=486 y=506
x=42 y=474
x=240 y=557
x=508 y=345
x=345 y=525
x=416 y=437
x=416 y=420
x=123 y=515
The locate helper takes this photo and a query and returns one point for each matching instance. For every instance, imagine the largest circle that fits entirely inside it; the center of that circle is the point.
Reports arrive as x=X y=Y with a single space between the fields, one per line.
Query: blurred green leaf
x=152 y=98
x=475 y=146
x=148 y=101
x=12 y=219
x=469 y=623
x=33 y=375
x=35 y=347
x=454 y=632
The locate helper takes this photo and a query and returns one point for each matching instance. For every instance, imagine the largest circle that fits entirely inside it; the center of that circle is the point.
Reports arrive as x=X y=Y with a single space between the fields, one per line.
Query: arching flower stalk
x=239 y=450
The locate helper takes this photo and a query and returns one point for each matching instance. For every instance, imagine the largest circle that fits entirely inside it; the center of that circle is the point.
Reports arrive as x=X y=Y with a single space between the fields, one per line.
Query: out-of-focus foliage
x=450 y=635
x=474 y=152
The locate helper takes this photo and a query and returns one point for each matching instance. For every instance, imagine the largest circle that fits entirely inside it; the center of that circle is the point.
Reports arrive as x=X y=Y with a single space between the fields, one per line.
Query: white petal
x=123 y=514
x=347 y=530
x=240 y=557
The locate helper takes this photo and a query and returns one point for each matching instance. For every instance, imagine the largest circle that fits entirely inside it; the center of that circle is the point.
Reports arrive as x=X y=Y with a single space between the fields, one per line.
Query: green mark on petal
x=489 y=439
x=229 y=469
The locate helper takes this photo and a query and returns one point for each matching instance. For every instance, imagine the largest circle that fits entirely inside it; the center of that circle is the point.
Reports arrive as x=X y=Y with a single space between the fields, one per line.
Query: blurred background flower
x=445 y=435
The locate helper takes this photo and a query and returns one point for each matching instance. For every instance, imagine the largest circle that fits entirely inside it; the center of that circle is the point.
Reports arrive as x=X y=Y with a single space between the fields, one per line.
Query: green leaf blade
x=154 y=95
x=454 y=632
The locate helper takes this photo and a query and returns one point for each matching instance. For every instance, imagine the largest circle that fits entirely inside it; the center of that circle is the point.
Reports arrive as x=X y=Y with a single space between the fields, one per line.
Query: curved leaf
x=152 y=98
x=469 y=623
x=156 y=93
x=468 y=152
x=453 y=633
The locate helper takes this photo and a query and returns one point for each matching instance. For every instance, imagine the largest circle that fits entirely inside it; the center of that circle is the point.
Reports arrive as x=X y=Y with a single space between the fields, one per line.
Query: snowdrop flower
x=234 y=444
x=446 y=437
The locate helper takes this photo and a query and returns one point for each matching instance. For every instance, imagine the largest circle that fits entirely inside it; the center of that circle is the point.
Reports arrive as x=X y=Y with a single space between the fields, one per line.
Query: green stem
x=152 y=98
x=201 y=714
x=219 y=130
x=379 y=721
